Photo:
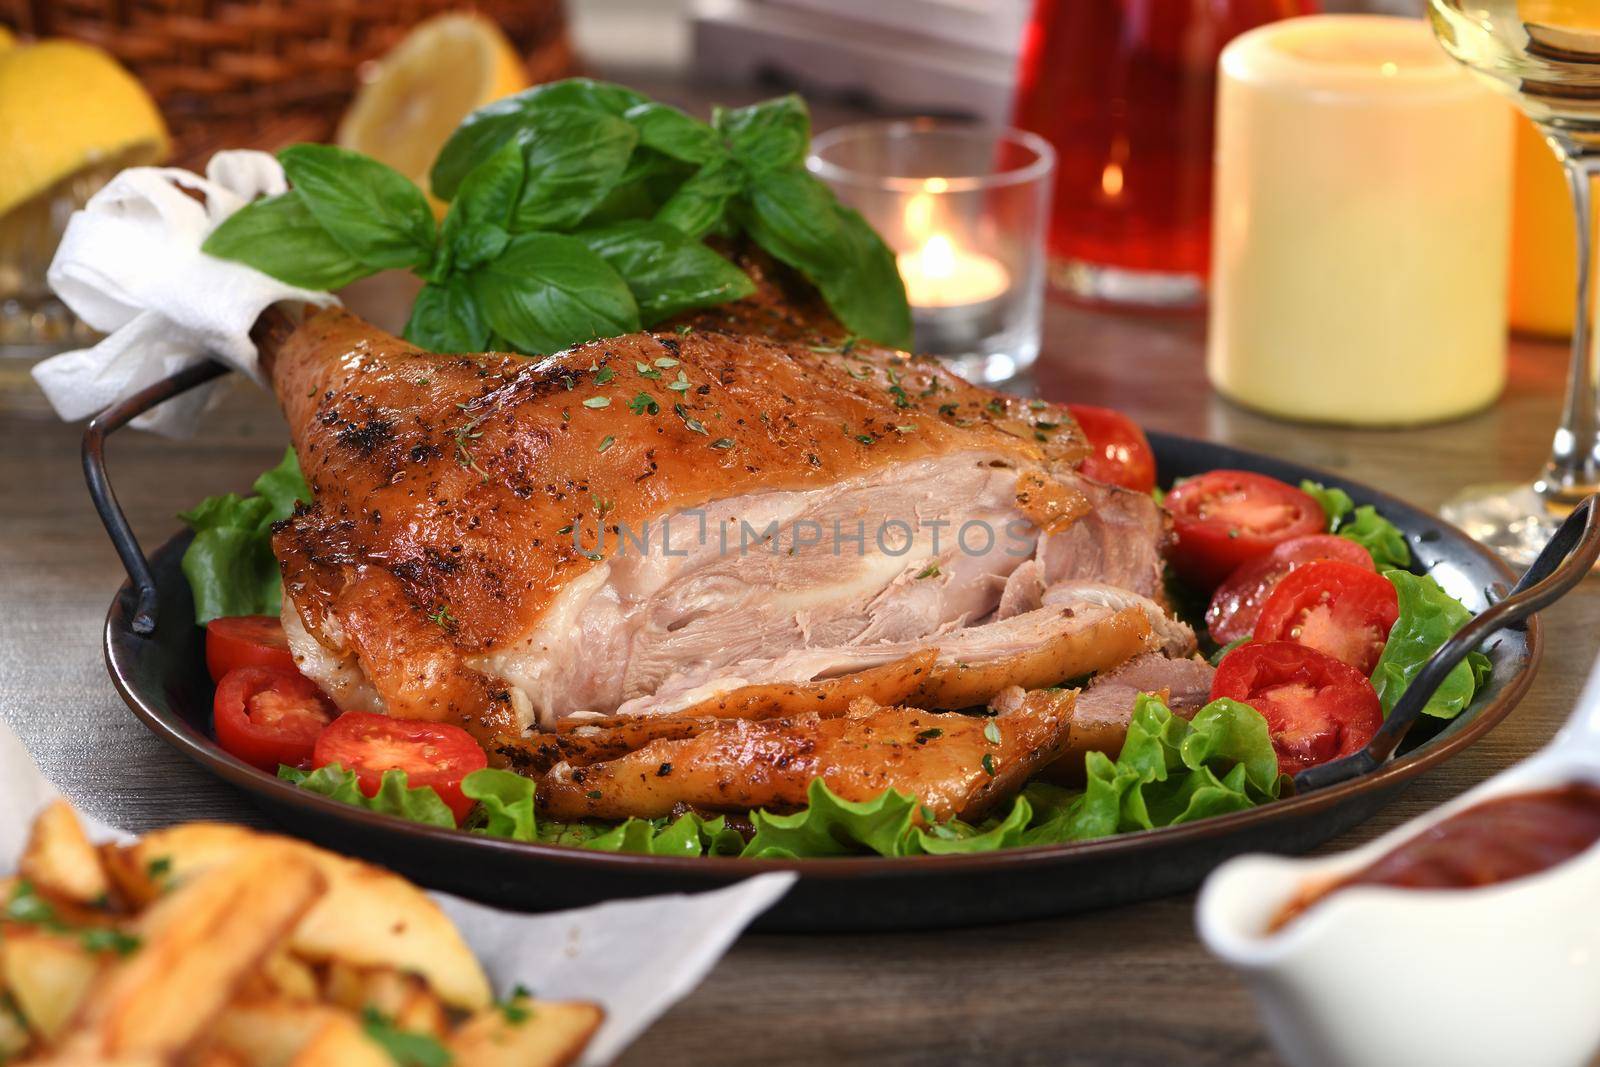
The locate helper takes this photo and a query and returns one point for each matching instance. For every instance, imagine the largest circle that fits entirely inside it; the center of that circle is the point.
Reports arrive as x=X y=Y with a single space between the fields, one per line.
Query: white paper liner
x=635 y=957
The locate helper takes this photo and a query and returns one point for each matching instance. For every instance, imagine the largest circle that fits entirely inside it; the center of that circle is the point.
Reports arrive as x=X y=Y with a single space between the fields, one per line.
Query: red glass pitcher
x=1126 y=91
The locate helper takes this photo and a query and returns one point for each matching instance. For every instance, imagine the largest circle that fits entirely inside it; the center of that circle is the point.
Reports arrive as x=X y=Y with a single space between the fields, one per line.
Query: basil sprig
x=577 y=210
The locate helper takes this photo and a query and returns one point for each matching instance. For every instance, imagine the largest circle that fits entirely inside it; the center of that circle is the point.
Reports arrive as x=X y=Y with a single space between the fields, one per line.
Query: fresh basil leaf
x=446 y=318
x=698 y=205
x=772 y=135
x=279 y=236
x=229 y=564
x=1335 y=503
x=666 y=271
x=477 y=226
x=482 y=133
x=548 y=292
x=670 y=131
x=376 y=213
x=868 y=295
x=395 y=796
x=791 y=215
x=1428 y=618
x=574 y=158
x=1380 y=537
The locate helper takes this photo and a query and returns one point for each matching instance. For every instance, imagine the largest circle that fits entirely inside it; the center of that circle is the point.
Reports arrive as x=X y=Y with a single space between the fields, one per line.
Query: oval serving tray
x=163 y=679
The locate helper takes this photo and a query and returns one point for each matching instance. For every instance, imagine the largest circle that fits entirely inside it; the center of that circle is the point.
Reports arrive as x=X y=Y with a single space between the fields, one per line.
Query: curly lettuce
x=1169 y=771
x=229 y=564
x=1429 y=617
x=1381 y=538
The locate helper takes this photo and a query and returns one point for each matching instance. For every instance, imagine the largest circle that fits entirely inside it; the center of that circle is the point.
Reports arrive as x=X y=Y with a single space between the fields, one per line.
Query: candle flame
x=1111 y=180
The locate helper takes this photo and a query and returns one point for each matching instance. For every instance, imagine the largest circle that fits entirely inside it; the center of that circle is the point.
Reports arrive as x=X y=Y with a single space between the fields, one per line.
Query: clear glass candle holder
x=965 y=209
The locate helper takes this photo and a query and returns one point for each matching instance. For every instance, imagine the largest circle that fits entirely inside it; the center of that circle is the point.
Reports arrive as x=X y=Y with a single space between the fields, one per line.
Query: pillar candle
x=1362 y=225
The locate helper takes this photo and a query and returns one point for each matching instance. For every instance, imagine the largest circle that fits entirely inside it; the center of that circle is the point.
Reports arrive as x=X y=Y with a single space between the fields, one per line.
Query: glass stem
x=1573 y=470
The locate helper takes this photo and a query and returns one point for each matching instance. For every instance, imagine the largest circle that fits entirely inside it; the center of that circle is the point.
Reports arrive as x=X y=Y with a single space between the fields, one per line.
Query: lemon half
x=65 y=106
x=413 y=98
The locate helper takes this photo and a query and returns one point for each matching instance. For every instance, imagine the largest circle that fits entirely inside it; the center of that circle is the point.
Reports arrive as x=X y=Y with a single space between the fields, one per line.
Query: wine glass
x=1544 y=55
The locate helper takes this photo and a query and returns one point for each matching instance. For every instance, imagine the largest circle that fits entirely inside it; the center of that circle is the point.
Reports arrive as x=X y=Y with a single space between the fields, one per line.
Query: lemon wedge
x=7 y=38
x=66 y=106
x=413 y=98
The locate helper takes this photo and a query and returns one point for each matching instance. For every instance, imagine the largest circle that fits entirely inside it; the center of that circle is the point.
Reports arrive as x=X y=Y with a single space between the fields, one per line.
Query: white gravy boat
x=1503 y=976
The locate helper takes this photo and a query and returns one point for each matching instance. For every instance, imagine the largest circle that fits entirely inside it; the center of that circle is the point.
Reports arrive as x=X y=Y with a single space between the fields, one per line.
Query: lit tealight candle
x=941 y=274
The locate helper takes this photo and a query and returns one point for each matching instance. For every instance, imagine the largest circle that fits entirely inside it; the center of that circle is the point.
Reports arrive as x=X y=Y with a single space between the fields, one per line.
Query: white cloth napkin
x=635 y=957
x=130 y=265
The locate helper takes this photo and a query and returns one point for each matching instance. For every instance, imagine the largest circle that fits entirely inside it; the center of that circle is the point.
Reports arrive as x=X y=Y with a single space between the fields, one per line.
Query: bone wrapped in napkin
x=130 y=265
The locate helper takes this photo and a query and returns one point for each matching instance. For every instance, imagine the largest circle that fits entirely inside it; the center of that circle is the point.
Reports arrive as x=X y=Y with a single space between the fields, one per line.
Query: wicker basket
x=265 y=73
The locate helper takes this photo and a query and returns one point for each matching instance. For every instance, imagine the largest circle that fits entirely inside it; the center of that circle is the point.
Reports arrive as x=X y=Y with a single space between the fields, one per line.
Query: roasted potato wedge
x=14 y=1037
x=367 y=917
x=274 y=1032
x=47 y=975
x=550 y=1034
x=59 y=860
x=201 y=942
x=404 y=998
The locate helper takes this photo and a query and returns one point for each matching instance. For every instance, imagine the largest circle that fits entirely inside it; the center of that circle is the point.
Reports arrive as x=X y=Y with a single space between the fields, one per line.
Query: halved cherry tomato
x=1334 y=607
x=267 y=716
x=1237 y=603
x=1121 y=453
x=431 y=753
x=1317 y=708
x=246 y=641
x=1225 y=518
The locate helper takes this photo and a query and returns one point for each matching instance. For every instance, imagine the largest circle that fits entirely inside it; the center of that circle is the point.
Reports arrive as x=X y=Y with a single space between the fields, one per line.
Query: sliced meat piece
x=1186 y=682
x=1103 y=710
x=1174 y=637
x=1035 y=649
x=1118 y=543
x=945 y=760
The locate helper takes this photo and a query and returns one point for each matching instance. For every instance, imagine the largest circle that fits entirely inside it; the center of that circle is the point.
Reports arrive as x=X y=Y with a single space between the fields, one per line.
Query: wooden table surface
x=1124 y=986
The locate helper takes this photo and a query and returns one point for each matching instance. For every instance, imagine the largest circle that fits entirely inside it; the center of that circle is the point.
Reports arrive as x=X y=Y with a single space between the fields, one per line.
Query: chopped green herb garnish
x=987 y=763
x=928 y=735
x=666 y=363
x=689 y=420
x=606 y=442
x=597 y=402
x=991 y=732
x=930 y=571
x=644 y=404
x=408 y=1048
x=722 y=442
x=604 y=375
x=442 y=617
x=681 y=385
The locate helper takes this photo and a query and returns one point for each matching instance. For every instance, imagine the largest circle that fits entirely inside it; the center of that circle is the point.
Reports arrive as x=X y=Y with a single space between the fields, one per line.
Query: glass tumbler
x=965 y=208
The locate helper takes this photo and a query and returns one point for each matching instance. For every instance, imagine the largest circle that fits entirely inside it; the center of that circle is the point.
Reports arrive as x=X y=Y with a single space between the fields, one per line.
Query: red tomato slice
x=1237 y=603
x=1334 y=607
x=1121 y=453
x=1317 y=708
x=266 y=716
x=431 y=753
x=1225 y=518
x=246 y=641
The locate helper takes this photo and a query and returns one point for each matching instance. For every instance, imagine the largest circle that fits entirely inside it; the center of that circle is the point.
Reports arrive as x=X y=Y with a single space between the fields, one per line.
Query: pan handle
x=1565 y=561
x=104 y=425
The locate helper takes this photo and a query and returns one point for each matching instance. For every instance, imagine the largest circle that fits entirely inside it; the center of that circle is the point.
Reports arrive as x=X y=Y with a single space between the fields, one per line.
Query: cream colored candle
x=1361 y=225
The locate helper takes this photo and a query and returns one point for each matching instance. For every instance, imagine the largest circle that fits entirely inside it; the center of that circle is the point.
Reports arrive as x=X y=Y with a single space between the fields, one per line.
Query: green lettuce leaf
x=505 y=804
x=229 y=564
x=1169 y=771
x=395 y=796
x=1378 y=536
x=687 y=835
x=1381 y=538
x=829 y=826
x=1428 y=618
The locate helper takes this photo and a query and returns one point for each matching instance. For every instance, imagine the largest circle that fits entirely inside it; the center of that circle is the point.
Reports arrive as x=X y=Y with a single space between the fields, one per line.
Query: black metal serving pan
x=162 y=676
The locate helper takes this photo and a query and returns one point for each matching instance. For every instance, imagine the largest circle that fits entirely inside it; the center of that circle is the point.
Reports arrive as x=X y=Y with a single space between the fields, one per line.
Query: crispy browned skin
x=738 y=764
x=442 y=483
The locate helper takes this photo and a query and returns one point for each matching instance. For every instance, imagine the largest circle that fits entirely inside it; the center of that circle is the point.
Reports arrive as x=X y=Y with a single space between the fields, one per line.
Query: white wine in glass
x=1544 y=55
